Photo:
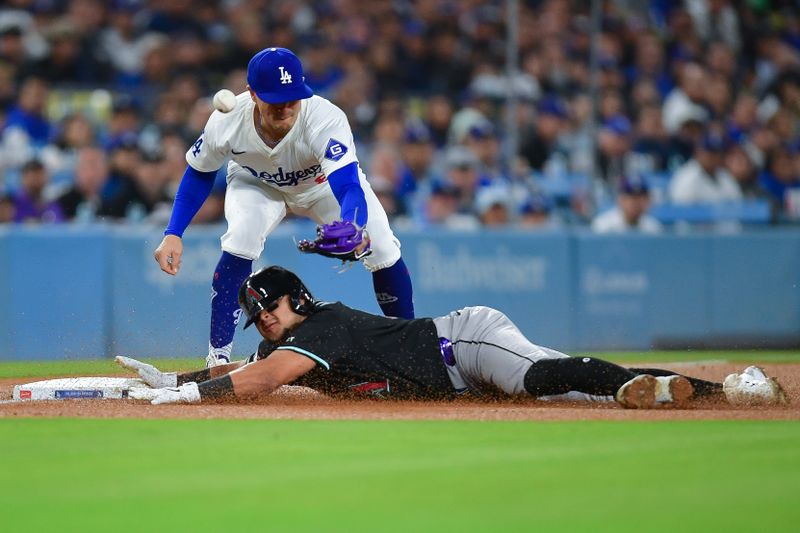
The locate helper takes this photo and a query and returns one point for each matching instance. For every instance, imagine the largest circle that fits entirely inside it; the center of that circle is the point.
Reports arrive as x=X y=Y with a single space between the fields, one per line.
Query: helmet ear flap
x=302 y=307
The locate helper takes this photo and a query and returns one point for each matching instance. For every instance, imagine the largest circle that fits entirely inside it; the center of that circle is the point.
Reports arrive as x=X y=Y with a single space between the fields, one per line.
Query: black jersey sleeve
x=319 y=338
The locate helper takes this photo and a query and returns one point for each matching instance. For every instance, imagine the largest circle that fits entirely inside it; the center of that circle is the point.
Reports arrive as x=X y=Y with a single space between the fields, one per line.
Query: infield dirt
x=300 y=403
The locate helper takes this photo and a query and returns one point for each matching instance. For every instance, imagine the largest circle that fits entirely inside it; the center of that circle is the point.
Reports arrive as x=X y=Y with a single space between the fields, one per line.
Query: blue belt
x=446 y=349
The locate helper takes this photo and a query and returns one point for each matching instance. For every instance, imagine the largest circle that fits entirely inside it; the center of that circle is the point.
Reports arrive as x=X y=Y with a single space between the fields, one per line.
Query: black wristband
x=217 y=388
x=198 y=377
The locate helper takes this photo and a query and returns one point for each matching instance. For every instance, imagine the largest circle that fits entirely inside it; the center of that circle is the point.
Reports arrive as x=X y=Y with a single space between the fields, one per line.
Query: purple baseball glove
x=339 y=240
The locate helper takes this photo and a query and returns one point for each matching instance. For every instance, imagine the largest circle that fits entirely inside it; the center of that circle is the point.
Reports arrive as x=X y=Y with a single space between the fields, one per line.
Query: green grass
x=283 y=475
x=88 y=367
x=107 y=367
x=271 y=475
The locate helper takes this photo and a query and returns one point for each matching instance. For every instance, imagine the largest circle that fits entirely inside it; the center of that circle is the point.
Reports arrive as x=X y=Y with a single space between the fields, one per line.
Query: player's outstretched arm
x=192 y=192
x=265 y=376
x=346 y=187
x=255 y=379
x=158 y=379
x=168 y=254
x=199 y=376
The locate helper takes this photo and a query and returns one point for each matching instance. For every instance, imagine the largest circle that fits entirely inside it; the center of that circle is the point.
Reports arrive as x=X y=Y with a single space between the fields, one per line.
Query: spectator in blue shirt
x=416 y=154
x=781 y=174
x=28 y=114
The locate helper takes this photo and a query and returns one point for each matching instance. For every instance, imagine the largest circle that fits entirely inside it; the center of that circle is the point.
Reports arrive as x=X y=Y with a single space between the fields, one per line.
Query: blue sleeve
x=346 y=188
x=192 y=192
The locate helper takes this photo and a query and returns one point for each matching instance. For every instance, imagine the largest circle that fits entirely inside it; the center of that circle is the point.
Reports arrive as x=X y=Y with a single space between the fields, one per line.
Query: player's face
x=633 y=206
x=281 y=114
x=275 y=322
x=277 y=117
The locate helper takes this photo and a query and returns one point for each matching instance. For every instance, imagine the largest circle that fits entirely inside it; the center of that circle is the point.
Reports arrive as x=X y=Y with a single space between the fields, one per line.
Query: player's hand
x=142 y=393
x=149 y=374
x=186 y=393
x=168 y=254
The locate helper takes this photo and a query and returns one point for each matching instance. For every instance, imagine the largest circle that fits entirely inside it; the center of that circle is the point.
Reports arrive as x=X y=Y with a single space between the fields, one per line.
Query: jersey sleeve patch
x=308 y=354
x=335 y=150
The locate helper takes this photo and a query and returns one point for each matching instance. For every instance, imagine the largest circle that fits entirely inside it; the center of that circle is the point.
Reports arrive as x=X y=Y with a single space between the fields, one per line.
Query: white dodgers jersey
x=319 y=143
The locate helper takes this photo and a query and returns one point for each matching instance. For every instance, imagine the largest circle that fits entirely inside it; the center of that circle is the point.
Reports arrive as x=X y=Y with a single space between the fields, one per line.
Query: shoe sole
x=681 y=391
x=638 y=393
x=780 y=396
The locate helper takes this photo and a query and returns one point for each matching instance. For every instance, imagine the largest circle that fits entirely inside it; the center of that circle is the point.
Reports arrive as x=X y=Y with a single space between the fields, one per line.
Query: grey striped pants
x=490 y=351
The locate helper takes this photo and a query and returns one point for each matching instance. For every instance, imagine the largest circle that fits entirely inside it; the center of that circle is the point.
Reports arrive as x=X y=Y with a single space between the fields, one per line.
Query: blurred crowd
x=697 y=104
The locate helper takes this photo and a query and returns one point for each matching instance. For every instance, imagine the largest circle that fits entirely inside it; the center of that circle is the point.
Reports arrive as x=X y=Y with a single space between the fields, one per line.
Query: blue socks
x=229 y=275
x=393 y=290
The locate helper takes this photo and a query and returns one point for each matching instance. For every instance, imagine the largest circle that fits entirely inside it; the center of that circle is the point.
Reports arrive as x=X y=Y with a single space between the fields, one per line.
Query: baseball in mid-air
x=224 y=101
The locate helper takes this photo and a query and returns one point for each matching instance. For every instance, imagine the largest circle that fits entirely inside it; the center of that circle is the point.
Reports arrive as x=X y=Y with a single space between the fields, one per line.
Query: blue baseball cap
x=127 y=140
x=276 y=76
x=551 y=105
x=618 y=124
x=126 y=6
x=417 y=132
x=536 y=204
x=633 y=185
x=714 y=142
x=444 y=188
x=481 y=130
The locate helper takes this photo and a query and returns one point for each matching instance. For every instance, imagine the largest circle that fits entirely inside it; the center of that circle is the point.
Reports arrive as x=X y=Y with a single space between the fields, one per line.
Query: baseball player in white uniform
x=287 y=149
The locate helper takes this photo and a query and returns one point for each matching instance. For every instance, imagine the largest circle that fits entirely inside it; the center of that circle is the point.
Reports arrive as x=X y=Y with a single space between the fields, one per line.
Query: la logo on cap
x=275 y=75
x=285 y=76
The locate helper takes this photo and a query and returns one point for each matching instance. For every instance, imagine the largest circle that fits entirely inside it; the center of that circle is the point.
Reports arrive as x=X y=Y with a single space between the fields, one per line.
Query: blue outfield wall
x=53 y=289
x=90 y=292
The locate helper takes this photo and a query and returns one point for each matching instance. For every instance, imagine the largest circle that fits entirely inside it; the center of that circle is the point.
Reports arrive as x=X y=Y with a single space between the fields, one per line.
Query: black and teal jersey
x=358 y=351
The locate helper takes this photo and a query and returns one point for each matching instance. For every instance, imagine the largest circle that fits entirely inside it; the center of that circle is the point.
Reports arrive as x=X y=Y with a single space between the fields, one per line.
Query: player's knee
x=244 y=246
x=382 y=258
x=547 y=377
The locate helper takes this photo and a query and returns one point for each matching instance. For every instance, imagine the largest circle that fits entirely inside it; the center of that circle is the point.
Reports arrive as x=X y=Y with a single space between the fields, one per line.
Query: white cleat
x=213 y=360
x=753 y=387
x=646 y=392
x=218 y=356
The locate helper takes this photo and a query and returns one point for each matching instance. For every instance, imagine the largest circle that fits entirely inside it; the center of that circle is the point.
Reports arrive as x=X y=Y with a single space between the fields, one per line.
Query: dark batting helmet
x=264 y=287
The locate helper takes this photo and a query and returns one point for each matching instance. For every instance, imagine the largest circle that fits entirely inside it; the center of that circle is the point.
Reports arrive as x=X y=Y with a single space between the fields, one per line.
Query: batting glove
x=149 y=374
x=186 y=393
x=142 y=393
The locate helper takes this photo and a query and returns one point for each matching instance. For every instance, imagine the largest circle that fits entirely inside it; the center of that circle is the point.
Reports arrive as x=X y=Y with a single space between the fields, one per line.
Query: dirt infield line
x=304 y=404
